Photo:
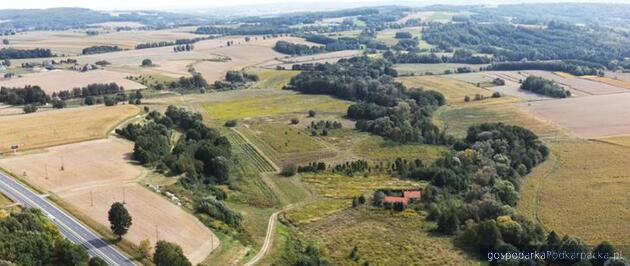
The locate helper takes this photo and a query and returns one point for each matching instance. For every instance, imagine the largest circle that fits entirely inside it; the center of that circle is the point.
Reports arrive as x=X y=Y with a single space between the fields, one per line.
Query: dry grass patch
x=70 y=125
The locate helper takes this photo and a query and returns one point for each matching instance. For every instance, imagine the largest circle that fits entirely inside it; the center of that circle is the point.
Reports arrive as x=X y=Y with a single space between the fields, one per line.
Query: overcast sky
x=192 y=4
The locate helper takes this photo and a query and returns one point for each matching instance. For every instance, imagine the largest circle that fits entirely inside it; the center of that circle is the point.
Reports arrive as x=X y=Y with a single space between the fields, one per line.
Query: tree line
x=168 y=43
x=12 y=53
x=99 y=49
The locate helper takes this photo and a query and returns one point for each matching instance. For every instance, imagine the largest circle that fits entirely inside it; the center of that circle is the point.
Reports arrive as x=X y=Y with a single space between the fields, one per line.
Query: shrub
x=89 y=100
x=230 y=123
x=311 y=113
x=30 y=108
x=496 y=94
x=147 y=62
x=289 y=170
x=295 y=121
x=58 y=104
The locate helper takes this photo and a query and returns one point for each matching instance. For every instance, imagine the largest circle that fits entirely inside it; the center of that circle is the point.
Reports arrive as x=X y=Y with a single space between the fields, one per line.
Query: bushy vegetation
x=196 y=82
x=545 y=87
x=234 y=80
x=12 y=53
x=100 y=49
x=30 y=238
x=26 y=95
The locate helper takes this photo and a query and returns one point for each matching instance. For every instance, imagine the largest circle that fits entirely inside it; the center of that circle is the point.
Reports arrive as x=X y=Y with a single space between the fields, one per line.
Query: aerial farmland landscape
x=314 y=133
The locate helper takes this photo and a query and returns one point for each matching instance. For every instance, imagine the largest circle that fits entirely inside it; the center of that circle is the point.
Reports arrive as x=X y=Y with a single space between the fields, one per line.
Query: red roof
x=395 y=199
x=412 y=194
x=407 y=195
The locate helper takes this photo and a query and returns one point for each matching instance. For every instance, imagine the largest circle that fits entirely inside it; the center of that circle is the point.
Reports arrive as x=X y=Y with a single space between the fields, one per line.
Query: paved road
x=68 y=226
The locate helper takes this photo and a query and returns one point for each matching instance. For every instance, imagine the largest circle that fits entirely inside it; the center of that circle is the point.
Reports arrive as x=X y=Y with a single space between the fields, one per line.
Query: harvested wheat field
x=594 y=116
x=57 y=80
x=95 y=175
x=581 y=190
x=454 y=90
x=76 y=166
x=150 y=211
x=45 y=129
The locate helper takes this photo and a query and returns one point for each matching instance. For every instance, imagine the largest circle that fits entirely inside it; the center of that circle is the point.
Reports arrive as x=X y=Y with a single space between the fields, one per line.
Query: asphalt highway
x=69 y=227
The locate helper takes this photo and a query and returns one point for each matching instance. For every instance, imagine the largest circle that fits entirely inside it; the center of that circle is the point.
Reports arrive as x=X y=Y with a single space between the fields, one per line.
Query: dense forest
x=12 y=53
x=512 y=43
x=545 y=87
x=100 y=49
x=384 y=107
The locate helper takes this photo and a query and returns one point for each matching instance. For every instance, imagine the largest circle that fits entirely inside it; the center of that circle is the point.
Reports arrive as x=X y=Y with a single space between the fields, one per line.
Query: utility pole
x=123 y=195
x=157 y=236
x=91 y=199
x=46 y=170
x=62 y=168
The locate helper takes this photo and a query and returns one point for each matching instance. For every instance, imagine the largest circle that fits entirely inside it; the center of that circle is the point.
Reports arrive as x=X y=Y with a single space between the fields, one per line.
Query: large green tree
x=119 y=219
x=169 y=254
